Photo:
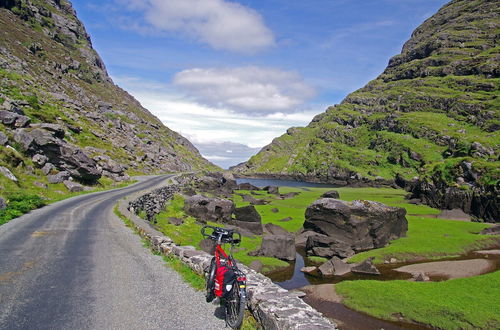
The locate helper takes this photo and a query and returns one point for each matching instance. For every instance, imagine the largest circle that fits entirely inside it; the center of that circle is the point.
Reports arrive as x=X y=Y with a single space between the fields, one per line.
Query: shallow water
x=283 y=183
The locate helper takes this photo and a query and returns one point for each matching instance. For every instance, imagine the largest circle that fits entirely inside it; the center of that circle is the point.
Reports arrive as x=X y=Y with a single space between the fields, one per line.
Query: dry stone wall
x=272 y=306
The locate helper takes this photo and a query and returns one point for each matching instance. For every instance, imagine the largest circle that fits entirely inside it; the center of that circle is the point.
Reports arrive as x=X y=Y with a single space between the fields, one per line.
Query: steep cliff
x=430 y=121
x=61 y=116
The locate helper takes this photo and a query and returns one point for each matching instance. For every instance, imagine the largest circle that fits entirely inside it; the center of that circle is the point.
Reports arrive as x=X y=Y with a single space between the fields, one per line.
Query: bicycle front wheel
x=235 y=307
x=210 y=295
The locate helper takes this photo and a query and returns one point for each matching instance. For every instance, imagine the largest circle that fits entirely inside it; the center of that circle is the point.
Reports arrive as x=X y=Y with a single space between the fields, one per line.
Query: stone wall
x=272 y=306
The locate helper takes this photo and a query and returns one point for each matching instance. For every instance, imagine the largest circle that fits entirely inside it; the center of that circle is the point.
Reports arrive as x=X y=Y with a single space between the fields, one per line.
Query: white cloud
x=246 y=89
x=219 y=23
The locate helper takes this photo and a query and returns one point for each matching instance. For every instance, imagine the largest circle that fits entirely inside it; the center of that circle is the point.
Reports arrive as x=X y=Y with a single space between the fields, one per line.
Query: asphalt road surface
x=74 y=265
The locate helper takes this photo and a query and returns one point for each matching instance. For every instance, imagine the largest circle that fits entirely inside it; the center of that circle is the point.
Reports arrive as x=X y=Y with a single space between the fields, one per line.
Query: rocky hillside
x=61 y=116
x=430 y=121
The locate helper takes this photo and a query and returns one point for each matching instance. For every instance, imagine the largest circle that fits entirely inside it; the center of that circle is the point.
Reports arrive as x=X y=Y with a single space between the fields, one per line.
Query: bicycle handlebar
x=222 y=234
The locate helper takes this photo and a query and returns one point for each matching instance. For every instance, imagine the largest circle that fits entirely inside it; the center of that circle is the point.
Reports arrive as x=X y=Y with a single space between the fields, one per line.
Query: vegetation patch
x=467 y=303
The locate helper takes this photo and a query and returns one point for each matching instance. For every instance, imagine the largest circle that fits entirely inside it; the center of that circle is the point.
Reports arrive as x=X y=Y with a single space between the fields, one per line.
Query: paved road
x=74 y=265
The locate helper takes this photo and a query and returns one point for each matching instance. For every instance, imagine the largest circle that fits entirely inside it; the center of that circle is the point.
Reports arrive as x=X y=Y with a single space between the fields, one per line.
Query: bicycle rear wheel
x=210 y=295
x=235 y=307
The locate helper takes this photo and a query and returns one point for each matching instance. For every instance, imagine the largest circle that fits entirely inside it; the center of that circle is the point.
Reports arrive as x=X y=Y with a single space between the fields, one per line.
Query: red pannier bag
x=225 y=279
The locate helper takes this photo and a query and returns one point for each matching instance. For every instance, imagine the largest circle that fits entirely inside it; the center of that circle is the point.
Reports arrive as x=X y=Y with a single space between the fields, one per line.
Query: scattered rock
x=309 y=270
x=73 y=186
x=252 y=200
x=3 y=139
x=289 y=195
x=3 y=204
x=209 y=208
x=275 y=210
x=247 y=186
x=175 y=221
x=331 y=194
x=272 y=229
x=40 y=184
x=365 y=267
x=59 y=177
x=495 y=230
x=47 y=168
x=334 y=266
x=39 y=160
x=272 y=190
x=7 y=173
x=420 y=277
x=13 y=119
x=286 y=219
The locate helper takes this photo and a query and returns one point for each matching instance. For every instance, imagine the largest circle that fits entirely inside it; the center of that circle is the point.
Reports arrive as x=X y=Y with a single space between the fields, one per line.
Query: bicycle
x=223 y=278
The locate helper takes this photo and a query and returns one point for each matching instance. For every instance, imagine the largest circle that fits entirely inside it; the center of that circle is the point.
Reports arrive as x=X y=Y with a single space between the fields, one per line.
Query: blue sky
x=233 y=75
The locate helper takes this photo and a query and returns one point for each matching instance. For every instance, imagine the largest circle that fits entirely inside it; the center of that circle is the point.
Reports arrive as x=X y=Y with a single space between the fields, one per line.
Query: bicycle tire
x=235 y=307
x=210 y=295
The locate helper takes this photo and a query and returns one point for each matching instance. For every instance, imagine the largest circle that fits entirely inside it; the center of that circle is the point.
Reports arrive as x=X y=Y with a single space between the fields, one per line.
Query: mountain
x=61 y=116
x=429 y=122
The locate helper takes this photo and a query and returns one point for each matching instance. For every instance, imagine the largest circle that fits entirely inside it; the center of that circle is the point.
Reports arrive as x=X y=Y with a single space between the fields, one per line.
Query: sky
x=232 y=75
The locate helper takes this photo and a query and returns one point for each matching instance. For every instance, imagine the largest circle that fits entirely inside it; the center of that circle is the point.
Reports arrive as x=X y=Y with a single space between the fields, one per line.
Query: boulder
x=334 y=266
x=289 y=195
x=39 y=160
x=277 y=246
x=272 y=190
x=356 y=226
x=73 y=186
x=331 y=194
x=3 y=204
x=365 y=267
x=286 y=219
x=252 y=228
x=7 y=173
x=309 y=270
x=47 y=168
x=325 y=246
x=272 y=229
x=420 y=277
x=175 y=221
x=3 y=139
x=247 y=186
x=247 y=214
x=209 y=208
x=13 y=119
x=275 y=210
x=252 y=200
x=59 y=177
x=495 y=230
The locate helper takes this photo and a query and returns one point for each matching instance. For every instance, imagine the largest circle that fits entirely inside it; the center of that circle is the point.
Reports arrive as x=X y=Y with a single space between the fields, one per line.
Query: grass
x=469 y=303
x=429 y=238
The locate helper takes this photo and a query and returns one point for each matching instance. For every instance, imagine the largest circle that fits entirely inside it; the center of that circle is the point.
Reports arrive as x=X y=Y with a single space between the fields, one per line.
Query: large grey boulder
x=73 y=186
x=9 y=118
x=59 y=177
x=248 y=218
x=365 y=267
x=277 y=246
x=47 y=140
x=357 y=226
x=331 y=194
x=209 y=208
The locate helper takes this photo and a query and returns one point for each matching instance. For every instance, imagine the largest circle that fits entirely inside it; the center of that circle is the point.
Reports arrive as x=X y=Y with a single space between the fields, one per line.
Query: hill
x=61 y=116
x=429 y=122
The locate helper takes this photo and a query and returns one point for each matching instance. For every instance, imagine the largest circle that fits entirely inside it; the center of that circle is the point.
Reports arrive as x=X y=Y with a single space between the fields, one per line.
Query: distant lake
x=283 y=183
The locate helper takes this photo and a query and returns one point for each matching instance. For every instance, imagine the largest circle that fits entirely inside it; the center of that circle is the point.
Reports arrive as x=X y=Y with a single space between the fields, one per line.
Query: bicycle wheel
x=235 y=307
x=210 y=295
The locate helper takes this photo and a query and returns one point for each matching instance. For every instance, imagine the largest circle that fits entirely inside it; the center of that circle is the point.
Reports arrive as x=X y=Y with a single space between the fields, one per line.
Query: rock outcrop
x=60 y=110
x=209 y=208
x=432 y=111
x=339 y=228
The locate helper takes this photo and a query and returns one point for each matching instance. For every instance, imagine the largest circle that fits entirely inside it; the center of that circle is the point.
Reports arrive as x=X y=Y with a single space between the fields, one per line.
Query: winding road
x=74 y=265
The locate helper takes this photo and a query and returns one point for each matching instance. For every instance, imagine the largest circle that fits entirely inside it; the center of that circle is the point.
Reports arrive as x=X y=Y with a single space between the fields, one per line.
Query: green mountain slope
x=430 y=120
x=61 y=112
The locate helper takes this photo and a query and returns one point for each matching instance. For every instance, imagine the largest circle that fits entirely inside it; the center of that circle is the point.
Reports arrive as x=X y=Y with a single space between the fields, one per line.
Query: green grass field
x=468 y=303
